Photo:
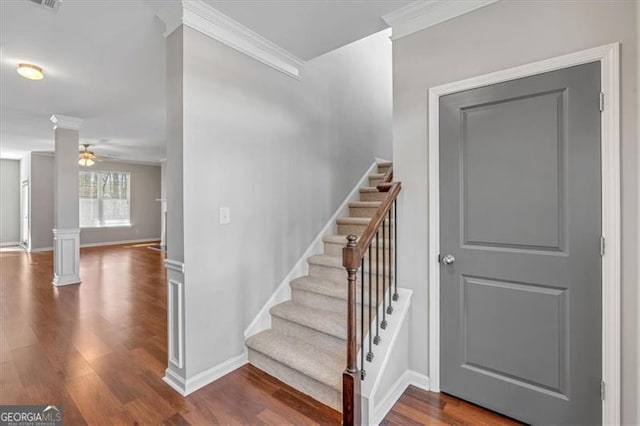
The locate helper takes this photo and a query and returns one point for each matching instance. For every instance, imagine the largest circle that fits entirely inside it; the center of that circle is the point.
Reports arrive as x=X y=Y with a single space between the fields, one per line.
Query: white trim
x=174 y=265
x=117 y=243
x=10 y=244
x=424 y=14
x=262 y=321
x=206 y=19
x=65 y=122
x=374 y=369
x=409 y=378
x=176 y=289
x=40 y=249
x=188 y=386
x=66 y=257
x=101 y=244
x=608 y=56
x=390 y=360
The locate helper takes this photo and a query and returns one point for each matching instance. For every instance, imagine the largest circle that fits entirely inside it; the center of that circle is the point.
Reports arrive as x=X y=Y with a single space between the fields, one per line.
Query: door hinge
x=602 y=390
x=601 y=101
x=602 y=245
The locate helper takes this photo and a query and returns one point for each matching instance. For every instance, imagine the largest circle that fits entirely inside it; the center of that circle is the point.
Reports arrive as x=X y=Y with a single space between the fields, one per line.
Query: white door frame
x=609 y=59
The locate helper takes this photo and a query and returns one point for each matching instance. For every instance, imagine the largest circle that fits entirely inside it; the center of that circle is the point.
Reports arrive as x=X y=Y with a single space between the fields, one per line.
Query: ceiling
x=310 y=28
x=104 y=61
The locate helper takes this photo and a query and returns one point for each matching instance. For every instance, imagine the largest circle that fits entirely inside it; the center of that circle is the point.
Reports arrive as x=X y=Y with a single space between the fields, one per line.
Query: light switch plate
x=225 y=216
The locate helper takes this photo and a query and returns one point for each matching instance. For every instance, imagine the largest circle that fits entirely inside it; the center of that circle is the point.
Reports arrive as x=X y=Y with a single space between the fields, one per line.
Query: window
x=105 y=199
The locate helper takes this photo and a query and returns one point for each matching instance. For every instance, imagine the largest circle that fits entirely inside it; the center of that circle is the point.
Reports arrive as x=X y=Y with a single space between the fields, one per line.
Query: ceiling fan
x=87 y=158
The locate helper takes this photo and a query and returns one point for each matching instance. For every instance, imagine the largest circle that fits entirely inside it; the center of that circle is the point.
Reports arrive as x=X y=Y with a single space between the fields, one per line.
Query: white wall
x=500 y=36
x=281 y=154
x=9 y=201
x=145 y=210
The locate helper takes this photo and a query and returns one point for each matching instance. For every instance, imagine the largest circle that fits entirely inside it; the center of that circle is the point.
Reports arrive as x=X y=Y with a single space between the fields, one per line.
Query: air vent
x=52 y=5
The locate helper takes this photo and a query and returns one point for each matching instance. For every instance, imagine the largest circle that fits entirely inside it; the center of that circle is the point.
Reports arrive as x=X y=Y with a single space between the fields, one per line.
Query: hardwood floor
x=99 y=350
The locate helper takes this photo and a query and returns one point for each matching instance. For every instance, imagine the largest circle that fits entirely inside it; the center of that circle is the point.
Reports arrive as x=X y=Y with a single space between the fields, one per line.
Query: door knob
x=447 y=259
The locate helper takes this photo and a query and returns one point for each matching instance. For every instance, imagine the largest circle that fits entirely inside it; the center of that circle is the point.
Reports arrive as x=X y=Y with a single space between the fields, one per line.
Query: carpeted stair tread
x=331 y=323
x=305 y=357
x=342 y=239
x=368 y=204
x=369 y=189
x=336 y=262
x=354 y=221
x=324 y=260
x=320 y=286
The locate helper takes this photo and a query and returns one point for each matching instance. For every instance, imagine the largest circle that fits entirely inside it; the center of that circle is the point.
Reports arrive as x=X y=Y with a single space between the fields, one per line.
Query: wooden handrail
x=351 y=255
x=352 y=259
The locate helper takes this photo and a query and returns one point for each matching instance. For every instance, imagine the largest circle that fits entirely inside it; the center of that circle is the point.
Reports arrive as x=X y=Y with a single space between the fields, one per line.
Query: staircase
x=306 y=346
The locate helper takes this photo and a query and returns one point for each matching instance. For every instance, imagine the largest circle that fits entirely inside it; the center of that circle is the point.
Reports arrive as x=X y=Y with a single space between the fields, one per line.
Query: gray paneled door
x=520 y=215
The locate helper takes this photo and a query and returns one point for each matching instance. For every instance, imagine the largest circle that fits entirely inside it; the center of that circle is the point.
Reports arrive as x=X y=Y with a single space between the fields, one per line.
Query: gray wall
x=145 y=210
x=282 y=154
x=174 y=182
x=25 y=175
x=9 y=201
x=500 y=36
x=42 y=201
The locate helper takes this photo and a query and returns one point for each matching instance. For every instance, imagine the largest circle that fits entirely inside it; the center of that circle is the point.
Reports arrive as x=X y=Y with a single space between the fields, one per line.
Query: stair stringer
x=390 y=363
x=262 y=321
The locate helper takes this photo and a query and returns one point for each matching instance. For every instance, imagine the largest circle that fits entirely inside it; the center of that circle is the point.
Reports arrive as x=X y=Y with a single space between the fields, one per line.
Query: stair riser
x=340 y=274
x=374 y=181
x=307 y=334
x=346 y=229
x=320 y=301
x=335 y=249
x=297 y=380
x=383 y=169
x=362 y=211
x=372 y=196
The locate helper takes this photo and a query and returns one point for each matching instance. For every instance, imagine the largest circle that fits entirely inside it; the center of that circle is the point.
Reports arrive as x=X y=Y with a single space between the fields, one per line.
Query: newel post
x=351 y=411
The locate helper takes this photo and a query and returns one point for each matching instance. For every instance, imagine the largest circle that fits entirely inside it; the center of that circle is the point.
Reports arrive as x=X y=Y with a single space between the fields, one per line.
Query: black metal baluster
x=395 y=258
x=370 y=353
x=376 y=339
x=391 y=259
x=363 y=373
x=383 y=324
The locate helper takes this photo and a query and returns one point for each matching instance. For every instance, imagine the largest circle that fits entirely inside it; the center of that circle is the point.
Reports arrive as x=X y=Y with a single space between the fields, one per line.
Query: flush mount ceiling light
x=30 y=71
x=87 y=158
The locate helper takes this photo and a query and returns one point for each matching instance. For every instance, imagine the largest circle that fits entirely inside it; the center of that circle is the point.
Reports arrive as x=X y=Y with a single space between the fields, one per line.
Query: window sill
x=100 y=228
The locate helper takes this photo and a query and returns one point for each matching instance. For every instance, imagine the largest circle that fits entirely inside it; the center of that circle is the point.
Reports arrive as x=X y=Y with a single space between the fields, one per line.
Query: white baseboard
x=117 y=243
x=100 y=244
x=409 y=378
x=9 y=244
x=39 y=249
x=262 y=321
x=204 y=378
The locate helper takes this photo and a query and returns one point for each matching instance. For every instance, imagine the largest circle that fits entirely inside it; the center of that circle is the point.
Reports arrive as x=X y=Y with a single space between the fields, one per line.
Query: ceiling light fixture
x=87 y=158
x=30 y=71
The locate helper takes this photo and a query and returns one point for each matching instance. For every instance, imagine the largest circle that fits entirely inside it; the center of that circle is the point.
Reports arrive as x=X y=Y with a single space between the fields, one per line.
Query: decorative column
x=66 y=234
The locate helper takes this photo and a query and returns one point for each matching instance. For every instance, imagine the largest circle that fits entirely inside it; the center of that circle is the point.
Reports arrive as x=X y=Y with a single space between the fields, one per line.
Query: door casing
x=609 y=58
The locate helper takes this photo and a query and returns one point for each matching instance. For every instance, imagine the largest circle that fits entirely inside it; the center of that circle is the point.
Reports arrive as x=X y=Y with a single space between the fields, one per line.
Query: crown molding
x=427 y=13
x=206 y=19
x=65 y=122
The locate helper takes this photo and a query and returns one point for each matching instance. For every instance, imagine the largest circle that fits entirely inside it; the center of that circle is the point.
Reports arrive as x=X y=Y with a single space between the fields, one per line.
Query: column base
x=66 y=257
